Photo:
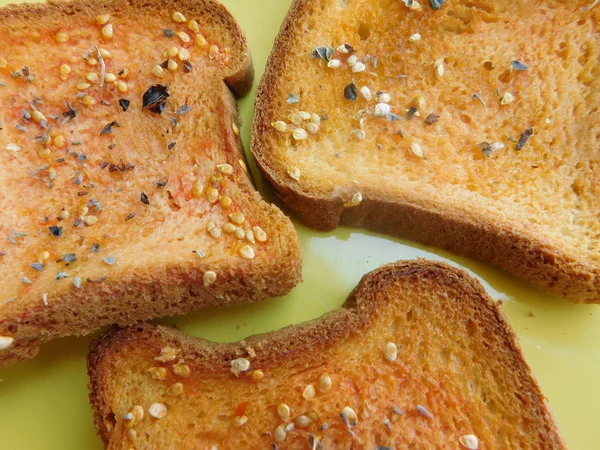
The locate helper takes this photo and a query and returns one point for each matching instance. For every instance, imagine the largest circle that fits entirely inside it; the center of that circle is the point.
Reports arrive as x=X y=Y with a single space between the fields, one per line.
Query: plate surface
x=44 y=401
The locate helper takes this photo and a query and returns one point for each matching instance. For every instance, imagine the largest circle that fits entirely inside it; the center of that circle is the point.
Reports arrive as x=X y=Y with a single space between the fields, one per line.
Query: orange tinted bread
x=464 y=173
x=117 y=212
x=419 y=353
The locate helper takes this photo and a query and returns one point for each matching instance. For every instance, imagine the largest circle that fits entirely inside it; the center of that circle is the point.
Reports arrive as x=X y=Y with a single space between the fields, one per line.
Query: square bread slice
x=474 y=127
x=125 y=195
x=419 y=357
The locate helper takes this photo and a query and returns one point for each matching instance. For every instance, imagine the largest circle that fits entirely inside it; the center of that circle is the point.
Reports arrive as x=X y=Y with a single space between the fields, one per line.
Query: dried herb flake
x=144 y=199
x=124 y=104
x=323 y=52
x=524 y=138
x=168 y=33
x=350 y=92
x=56 y=231
x=432 y=118
x=155 y=98
x=108 y=127
x=436 y=4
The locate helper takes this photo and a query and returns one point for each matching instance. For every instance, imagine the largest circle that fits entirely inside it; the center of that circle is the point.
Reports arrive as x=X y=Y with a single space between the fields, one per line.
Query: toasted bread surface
x=125 y=191
x=458 y=372
x=498 y=159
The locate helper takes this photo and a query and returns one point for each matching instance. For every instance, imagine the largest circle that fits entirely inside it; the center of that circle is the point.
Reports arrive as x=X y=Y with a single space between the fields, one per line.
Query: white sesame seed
x=209 y=277
x=250 y=237
x=157 y=410
x=356 y=199
x=352 y=60
x=496 y=146
x=312 y=128
x=302 y=421
x=259 y=234
x=366 y=93
x=102 y=19
x=38 y=117
x=358 y=134
x=158 y=71
x=507 y=98
x=325 y=383
x=416 y=150
x=121 y=86
x=334 y=63
x=193 y=26
x=172 y=65
x=178 y=17
x=296 y=119
x=83 y=86
x=358 y=67
x=214 y=231
x=107 y=30
x=3 y=63
x=105 y=53
x=304 y=115
x=239 y=421
x=61 y=38
x=92 y=77
x=382 y=109
x=13 y=148
x=415 y=37
x=350 y=415
x=237 y=217
x=384 y=97
x=280 y=126
x=200 y=41
x=247 y=252
x=172 y=52
x=64 y=70
x=284 y=412
x=183 y=54
x=225 y=169
x=88 y=100
x=439 y=68
x=391 y=351
x=315 y=118
x=343 y=49
x=229 y=228
x=239 y=365
x=424 y=412
x=184 y=36
x=110 y=77
x=91 y=61
x=469 y=441
x=294 y=173
x=309 y=392
x=279 y=434
x=6 y=342
x=300 y=134
x=415 y=6
x=289 y=427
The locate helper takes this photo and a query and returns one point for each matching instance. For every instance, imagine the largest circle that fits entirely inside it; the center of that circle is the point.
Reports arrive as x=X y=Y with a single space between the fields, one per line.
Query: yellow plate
x=44 y=405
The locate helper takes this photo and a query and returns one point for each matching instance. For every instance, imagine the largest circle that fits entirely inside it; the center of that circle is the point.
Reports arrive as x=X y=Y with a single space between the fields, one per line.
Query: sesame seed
x=91 y=61
x=247 y=252
x=107 y=30
x=105 y=53
x=302 y=421
x=416 y=150
x=312 y=128
x=121 y=86
x=175 y=389
x=225 y=201
x=239 y=421
x=250 y=236
x=300 y=134
x=284 y=412
x=92 y=77
x=415 y=5
x=424 y=412
x=325 y=383
x=279 y=126
x=382 y=109
x=237 y=217
x=131 y=435
x=214 y=231
x=3 y=63
x=358 y=134
x=469 y=441
x=88 y=101
x=110 y=77
x=349 y=416
x=356 y=199
x=38 y=117
x=77 y=282
x=64 y=214
x=391 y=351
x=296 y=119
x=304 y=115
x=134 y=416
x=200 y=41
x=358 y=67
x=315 y=118
x=158 y=71
x=197 y=189
x=239 y=365
x=42 y=256
x=6 y=342
x=183 y=370
x=507 y=98
x=240 y=233
x=157 y=373
x=213 y=51
x=383 y=97
x=257 y=375
x=309 y=392
x=172 y=65
x=184 y=54
x=102 y=19
x=184 y=37
x=13 y=148
x=59 y=141
x=61 y=38
x=157 y=410
x=294 y=173
x=212 y=195
x=229 y=228
x=193 y=26
x=64 y=70
x=178 y=17
x=83 y=86
x=352 y=60
x=334 y=63
x=439 y=68
x=366 y=93
x=226 y=169
x=415 y=37
x=209 y=277
x=279 y=434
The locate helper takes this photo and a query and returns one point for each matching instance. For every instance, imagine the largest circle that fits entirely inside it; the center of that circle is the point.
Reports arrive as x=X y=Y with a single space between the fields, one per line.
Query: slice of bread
x=418 y=357
x=445 y=154
x=125 y=195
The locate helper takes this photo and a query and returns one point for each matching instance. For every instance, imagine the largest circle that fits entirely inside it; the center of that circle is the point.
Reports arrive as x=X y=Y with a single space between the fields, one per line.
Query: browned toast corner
x=125 y=190
x=418 y=357
x=473 y=128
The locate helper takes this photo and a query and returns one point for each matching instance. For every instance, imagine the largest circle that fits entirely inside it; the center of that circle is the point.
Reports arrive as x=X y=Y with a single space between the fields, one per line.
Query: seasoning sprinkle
x=292 y=99
x=424 y=412
x=168 y=33
x=322 y=52
x=56 y=231
x=108 y=128
x=431 y=119
x=124 y=103
x=239 y=365
x=350 y=92
x=144 y=199
x=155 y=98
x=183 y=109
x=187 y=67
x=130 y=216
x=37 y=266
x=411 y=112
x=524 y=138
x=518 y=65
x=469 y=441
x=436 y=4
x=110 y=260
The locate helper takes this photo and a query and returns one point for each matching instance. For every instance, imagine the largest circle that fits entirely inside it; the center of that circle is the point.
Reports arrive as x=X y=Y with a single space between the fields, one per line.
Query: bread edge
x=279 y=346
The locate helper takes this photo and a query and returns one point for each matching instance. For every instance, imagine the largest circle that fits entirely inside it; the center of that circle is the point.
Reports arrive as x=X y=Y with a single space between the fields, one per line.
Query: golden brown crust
x=139 y=292
x=520 y=251
x=288 y=347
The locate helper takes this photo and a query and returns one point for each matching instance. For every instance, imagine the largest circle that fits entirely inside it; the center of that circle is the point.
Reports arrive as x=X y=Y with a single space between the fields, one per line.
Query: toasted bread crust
x=174 y=288
x=517 y=250
x=277 y=349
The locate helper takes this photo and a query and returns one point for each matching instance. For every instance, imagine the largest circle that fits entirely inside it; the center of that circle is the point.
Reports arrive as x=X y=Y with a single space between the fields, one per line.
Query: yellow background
x=43 y=402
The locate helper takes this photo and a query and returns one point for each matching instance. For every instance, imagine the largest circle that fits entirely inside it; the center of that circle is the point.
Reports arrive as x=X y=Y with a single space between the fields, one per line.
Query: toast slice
x=125 y=195
x=418 y=357
x=474 y=127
